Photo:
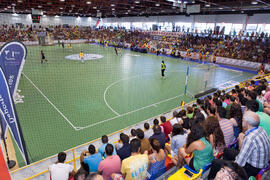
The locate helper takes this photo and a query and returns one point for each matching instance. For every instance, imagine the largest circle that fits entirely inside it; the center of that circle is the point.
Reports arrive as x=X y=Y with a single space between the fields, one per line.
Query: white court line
x=108 y=87
x=154 y=105
x=49 y=101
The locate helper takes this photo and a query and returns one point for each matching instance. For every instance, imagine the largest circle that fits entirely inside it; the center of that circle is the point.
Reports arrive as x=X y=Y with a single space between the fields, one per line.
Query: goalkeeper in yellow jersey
x=82 y=56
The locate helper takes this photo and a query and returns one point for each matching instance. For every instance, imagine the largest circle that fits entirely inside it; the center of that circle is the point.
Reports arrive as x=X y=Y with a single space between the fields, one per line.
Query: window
x=227 y=27
x=251 y=28
x=200 y=27
x=237 y=28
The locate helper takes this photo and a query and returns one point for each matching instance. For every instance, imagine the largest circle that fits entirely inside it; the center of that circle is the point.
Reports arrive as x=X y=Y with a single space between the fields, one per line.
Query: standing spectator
x=158 y=135
x=156 y=160
x=60 y=170
x=124 y=152
x=112 y=163
x=145 y=144
x=214 y=134
x=225 y=125
x=93 y=160
x=166 y=126
x=148 y=132
x=101 y=149
x=135 y=167
x=254 y=147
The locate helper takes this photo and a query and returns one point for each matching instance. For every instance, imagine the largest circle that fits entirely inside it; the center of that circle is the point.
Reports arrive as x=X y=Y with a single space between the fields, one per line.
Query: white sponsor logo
x=85 y=57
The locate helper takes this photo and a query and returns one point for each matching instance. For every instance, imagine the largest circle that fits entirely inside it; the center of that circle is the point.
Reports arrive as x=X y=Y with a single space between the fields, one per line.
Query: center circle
x=86 y=57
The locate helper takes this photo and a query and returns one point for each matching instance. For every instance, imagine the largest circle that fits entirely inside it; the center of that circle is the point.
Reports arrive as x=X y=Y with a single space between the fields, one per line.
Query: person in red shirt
x=167 y=127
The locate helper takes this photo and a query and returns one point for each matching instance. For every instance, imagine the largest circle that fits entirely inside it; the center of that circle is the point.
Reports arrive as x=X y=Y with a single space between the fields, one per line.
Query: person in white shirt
x=176 y=119
x=60 y=170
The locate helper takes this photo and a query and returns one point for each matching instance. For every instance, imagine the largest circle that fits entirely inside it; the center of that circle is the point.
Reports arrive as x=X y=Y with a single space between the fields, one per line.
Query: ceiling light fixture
x=112 y=5
x=193 y=2
x=94 y=7
x=233 y=9
x=220 y=8
x=88 y=2
x=254 y=2
x=207 y=5
x=137 y=1
x=157 y=4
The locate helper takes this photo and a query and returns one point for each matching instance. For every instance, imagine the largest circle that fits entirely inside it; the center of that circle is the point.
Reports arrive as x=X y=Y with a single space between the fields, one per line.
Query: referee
x=163 y=68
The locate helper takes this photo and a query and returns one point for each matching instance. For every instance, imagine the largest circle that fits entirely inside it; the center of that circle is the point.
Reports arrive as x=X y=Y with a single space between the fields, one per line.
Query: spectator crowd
x=255 y=48
x=230 y=130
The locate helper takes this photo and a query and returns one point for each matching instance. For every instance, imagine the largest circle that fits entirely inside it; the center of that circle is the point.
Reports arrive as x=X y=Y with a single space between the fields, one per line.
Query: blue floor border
x=196 y=61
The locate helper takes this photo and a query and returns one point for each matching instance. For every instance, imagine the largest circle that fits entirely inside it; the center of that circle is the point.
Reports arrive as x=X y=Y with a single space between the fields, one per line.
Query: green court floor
x=68 y=103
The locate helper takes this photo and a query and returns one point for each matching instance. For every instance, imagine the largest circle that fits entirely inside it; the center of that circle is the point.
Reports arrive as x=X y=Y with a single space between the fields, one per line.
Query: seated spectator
x=133 y=134
x=175 y=119
x=267 y=94
x=134 y=167
x=156 y=122
x=158 y=135
x=199 y=146
x=225 y=125
x=148 y=132
x=124 y=152
x=254 y=147
x=211 y=111
x=166 y=126
x=253 y=96
x=94 y=176
x=101 y=149
x=232 y=101
x=264 y=118
x=182 y=114
x=190 y=112
x=81 y=175
x=235 y=116
x=156 y=160
x=214 y=134
x=178 y=140
x=110 y=165
x=93 y=160
x=60 y=170
x=231 y=171
x=145 y=144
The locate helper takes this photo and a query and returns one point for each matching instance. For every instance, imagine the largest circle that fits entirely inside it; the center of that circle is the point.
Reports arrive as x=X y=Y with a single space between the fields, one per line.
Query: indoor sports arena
x=135 y=89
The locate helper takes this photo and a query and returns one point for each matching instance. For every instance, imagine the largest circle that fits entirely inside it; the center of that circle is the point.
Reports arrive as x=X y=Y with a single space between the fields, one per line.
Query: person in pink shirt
x=110 y=165
x=267 y=94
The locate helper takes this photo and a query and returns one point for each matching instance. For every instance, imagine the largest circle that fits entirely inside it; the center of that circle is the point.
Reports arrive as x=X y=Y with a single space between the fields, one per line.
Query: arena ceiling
x=120 y=8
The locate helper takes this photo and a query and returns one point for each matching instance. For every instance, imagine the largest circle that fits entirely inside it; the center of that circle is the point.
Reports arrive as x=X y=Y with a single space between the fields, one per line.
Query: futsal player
x=163 y=68
x=82 y=56
x=42 y=57
x=115 y=49
x=120 y=51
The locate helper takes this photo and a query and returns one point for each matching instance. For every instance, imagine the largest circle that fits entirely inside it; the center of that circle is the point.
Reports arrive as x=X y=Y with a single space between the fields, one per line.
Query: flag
x=98 y=21
x=12 y=58
x=182 y=103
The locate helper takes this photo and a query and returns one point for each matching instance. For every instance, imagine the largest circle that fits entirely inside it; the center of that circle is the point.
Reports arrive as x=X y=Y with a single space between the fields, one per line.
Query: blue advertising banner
x=12 y=58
